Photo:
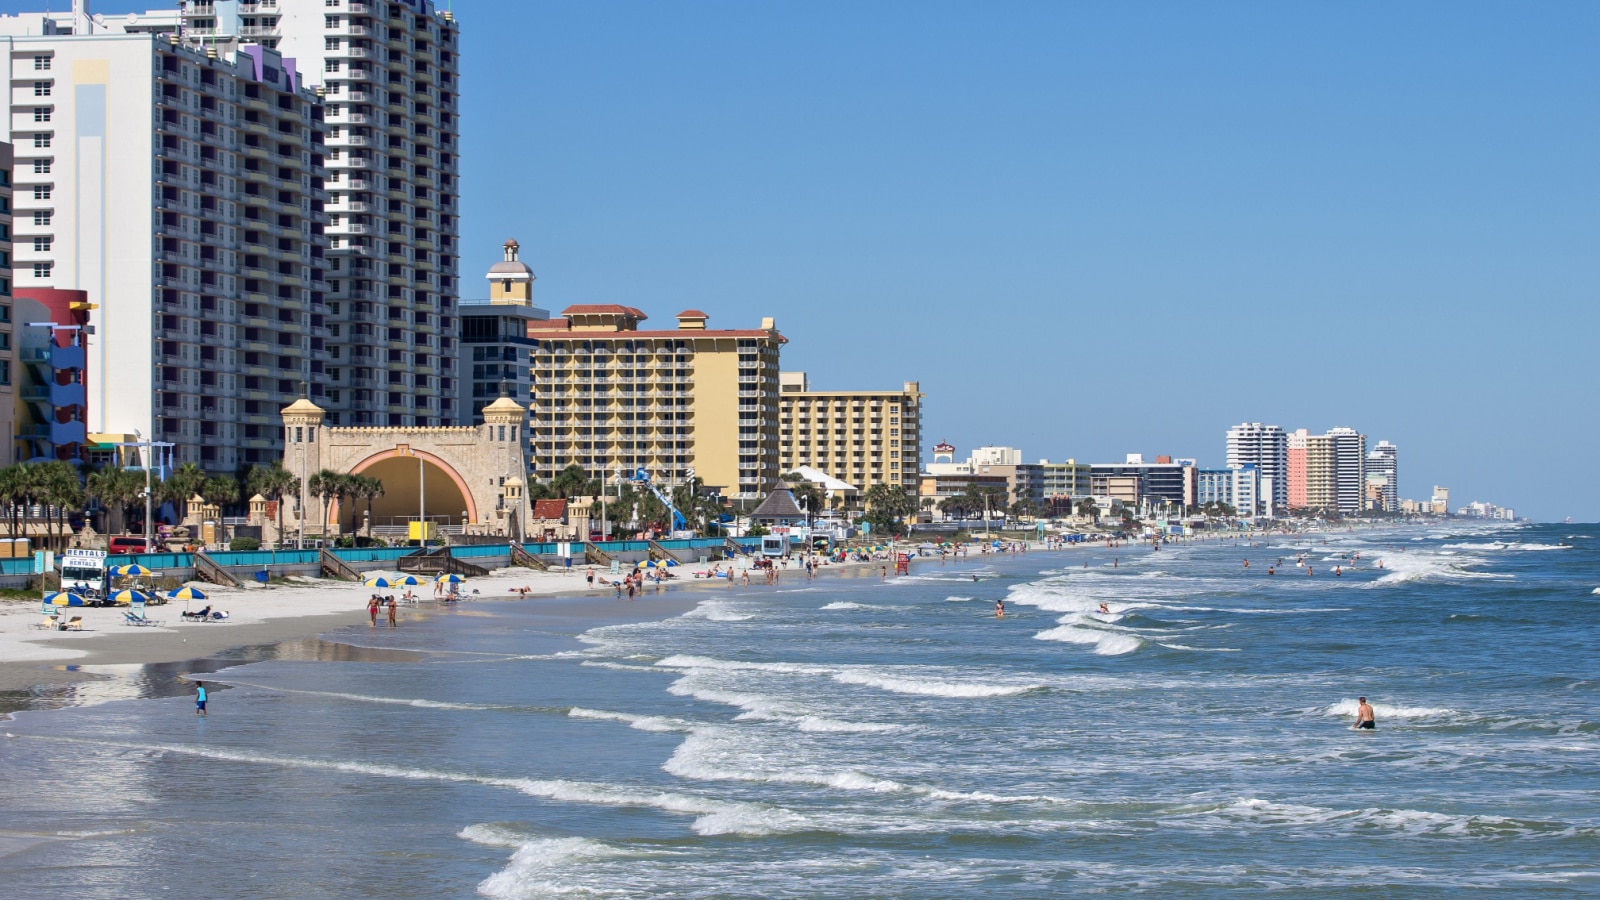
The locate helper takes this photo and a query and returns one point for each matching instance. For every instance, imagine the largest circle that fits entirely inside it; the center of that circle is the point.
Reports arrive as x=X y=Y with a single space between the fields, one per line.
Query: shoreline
x=34 y=665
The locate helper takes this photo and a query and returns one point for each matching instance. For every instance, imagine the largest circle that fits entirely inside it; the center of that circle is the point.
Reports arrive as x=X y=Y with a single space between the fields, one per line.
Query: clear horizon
x=1086 y=231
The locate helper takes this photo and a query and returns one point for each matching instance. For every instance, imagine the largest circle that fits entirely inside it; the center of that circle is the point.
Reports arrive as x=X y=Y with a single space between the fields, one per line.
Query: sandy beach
x=32 y=660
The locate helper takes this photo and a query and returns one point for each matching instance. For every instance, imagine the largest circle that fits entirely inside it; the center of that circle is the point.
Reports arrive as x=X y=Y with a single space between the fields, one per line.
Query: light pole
x=422 y=502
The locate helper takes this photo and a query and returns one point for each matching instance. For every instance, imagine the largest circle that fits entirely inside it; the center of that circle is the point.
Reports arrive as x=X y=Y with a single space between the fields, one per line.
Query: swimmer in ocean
x=1104 y=608
x=999 y=609
x=1364 y=717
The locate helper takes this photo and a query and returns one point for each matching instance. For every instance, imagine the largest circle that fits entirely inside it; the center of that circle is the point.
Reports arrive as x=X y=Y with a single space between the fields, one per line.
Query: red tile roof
x=692 y=314
x=602 y=309
x=549 y=510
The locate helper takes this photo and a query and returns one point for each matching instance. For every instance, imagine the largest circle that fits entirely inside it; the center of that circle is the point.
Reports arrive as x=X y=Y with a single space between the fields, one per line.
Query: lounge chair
x=73 y=624
x=47 y=623
x=129 y=618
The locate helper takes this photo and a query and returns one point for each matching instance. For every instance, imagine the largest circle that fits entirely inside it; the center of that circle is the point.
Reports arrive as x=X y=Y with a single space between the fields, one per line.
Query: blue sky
x=1086 y=229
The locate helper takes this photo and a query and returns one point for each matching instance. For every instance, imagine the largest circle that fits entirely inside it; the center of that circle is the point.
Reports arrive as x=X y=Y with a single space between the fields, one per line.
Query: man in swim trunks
x=200 y=698
x=1364 y=719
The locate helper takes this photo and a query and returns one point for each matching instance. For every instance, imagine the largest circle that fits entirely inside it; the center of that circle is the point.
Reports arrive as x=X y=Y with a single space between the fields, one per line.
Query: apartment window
x=5 y=372
x=41 y=217
x=41 y=245
x=41 y=270
x=41 y=88
x=41 y=192
x=41 y=63
x=330 y=21
x=41 y=113
x=41 y=167
x=41 y=140
x=332 y=65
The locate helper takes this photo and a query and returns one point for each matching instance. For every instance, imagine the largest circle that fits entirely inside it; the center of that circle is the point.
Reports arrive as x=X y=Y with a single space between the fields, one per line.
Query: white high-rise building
x=1384 y=461
x=182 y=191
x=1267 y=448
x=1349 y=449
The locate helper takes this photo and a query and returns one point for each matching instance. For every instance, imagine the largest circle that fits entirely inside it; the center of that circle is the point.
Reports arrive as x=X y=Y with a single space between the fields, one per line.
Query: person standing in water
x=999 y=609
x=200 y=698
x=1364 y=717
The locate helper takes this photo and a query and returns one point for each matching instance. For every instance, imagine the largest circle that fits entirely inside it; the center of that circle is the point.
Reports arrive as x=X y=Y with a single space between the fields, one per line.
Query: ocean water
x=848 y=736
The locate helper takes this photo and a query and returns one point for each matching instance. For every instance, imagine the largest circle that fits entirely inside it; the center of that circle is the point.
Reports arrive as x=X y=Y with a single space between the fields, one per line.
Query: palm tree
x=60 y=490
x=368 y=488
x=324 y=485
x=272 y=482
x=570 y=482
x=807 y=494
x=12 y=487
x=220 y=490
x=184 y=482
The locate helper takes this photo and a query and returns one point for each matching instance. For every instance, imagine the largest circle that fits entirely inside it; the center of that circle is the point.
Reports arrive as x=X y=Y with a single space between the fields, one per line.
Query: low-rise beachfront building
x=1064 y=484
x=1238 y=487
x=933 y=489
x=1164 y=481
x=687 y=402
x=864 y=438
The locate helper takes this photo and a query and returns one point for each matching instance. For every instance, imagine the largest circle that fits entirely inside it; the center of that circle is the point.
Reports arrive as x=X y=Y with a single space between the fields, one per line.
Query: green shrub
x=244 y=543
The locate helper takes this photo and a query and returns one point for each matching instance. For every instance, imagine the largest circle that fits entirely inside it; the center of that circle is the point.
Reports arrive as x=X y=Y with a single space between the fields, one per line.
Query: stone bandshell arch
x=486 y=463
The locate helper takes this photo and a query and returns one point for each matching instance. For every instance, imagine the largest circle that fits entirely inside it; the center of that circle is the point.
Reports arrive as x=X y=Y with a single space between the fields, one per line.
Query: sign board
x=424 y=531
x=564 y=550
x=93 y=557
x=43 y=561
x=616 y=567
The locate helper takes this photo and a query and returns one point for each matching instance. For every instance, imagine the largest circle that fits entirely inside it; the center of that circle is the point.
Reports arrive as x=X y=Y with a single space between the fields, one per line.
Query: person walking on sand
x=1364 y=718
x=590 y=576
x=392 y=608
x=200 y=699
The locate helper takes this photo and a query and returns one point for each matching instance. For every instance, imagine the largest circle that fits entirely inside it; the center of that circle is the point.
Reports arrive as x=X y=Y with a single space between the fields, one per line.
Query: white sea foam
x=1347 y=709
x=846 y=604
x=1402 y=821
x=640 y=723
x=719 y=611
x=1509 y=546
x=540 y=866
x=930 y=687
x=1105 y=643
x=1201 y=649
x=821 y=724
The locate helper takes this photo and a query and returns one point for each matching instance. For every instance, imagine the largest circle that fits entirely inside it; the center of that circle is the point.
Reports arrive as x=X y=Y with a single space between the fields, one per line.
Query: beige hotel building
x=609 y=395
x=859 y=437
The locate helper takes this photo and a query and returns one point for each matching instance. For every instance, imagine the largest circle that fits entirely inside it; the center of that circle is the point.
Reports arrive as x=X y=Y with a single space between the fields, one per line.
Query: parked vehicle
x=121 y=544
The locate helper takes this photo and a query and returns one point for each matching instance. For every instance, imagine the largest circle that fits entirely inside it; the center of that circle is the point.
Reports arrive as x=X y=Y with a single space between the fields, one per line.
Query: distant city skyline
x=1084 y=231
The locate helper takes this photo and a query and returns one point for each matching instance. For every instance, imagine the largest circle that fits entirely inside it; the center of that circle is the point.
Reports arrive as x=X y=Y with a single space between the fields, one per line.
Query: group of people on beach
x=378 y=602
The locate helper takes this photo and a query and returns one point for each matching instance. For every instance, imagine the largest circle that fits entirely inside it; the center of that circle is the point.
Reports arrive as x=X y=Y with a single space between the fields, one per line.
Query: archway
x=447 y=492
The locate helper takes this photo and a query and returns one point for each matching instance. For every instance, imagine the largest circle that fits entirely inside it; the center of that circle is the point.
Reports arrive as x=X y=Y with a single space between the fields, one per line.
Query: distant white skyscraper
x=1384 y=461
x=1349 y=468
x=1267 y=448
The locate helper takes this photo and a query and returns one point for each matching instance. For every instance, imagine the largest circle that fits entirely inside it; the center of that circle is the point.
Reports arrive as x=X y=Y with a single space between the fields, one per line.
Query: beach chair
x=47 y=623
x=73 y=624
x=129 y=618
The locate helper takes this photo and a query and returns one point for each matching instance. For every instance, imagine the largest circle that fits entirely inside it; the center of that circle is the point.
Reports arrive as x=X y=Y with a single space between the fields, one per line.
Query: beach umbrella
x=130 y=569
x=379 y=581
x=128 y=598
x=669 y=563
x=450 y=578
x=64 y=598
x=408 y=580
x=186 y=593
